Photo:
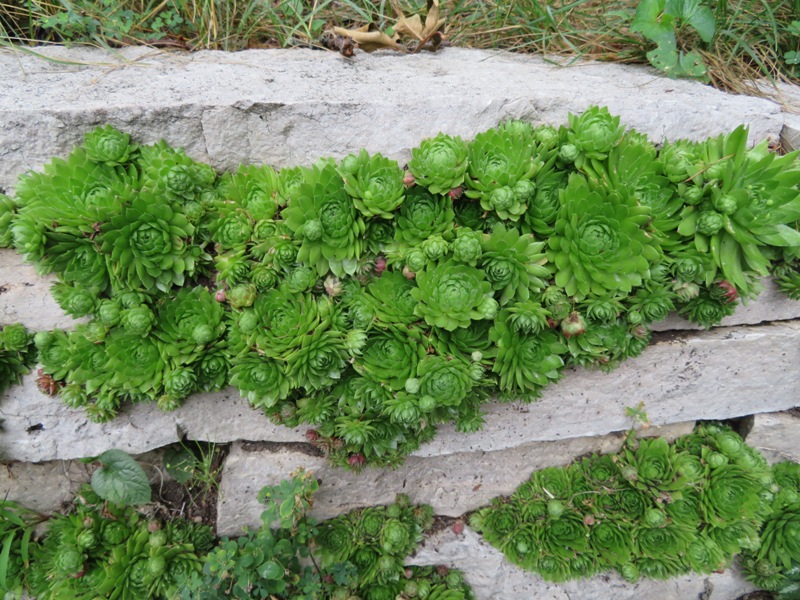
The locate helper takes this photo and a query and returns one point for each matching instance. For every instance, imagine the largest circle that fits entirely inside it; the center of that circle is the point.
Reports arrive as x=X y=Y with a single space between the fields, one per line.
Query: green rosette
x=285 y=318
x=452 y=295
x=325 y=219
x=439 y=163
x=514 y=264
x=259 y=379
x=391 y=357
x=189 y=323
x=525 y=363
x=611 y=542
x=148 y=245
x=374 y=182
x=318 y=362
x=565 y=536
x=422 y=215
x=731 y=495
x=600 y=244
x=391 y=300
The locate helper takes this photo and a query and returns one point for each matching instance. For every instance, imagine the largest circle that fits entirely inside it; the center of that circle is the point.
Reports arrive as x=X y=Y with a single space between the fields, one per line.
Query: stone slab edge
x=292 y=107
x=452 y=484
x=776 y=435
x=718 y=374
x=494 y=578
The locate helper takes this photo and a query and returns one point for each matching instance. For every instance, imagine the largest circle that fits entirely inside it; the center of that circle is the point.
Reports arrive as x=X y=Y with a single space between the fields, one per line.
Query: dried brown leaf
x=369 y=38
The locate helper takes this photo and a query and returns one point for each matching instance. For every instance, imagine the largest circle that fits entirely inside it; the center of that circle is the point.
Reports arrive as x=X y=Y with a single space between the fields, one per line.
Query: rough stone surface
x=494 y=578
x=44 y=487
x=38 y=427
x=291 y=107
x=771 y=305
x=717 y=374
x=705 y=375
x=776 y=435
x=453 y=484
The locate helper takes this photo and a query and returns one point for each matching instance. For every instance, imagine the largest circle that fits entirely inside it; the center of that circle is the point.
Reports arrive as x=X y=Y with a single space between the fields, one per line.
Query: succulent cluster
x=375 y=541
x=775 y=564
x=17 y=354
x=103 y=550
x=374 y=303
x=653 y=510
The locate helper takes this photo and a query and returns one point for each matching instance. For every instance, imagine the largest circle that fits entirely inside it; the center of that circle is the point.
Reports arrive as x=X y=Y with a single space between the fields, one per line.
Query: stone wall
x=286 y=108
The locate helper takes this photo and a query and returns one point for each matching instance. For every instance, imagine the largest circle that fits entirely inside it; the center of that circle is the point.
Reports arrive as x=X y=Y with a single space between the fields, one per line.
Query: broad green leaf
x=695 y=14
x=651 y=21
x=792 y=57
x=180 y=464
x=271 y=570
x=120 y=480
x=691 y=65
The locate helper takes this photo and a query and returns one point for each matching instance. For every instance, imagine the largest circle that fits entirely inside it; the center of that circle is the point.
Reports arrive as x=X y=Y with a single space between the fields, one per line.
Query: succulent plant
x=374 y=182
x=323 y=217
x=600 y=244
x=109 y=146
x=439 y=163
x=452 y=295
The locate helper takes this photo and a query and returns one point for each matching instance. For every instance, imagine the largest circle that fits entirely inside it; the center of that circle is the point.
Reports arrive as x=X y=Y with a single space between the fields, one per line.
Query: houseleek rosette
x=441 y=382
x=594 y=133
x=374 y=182
x=259 y=379
x=324 y=218
x=252 y=188
x=732 y=495
x=391 y=357
x=439 y=163
x=109 y=146
x=452 y=295
x=189 y=323
x=514 y=264
x=600 y=243
x=544 y=205
x=149 y=246
x=421 y=216
x=501 y=165
x=17 y=354
x=137 y=364
x=170 y=174
x=754 y=205
x=283 y=319
x=525 y=363
x=318 y=361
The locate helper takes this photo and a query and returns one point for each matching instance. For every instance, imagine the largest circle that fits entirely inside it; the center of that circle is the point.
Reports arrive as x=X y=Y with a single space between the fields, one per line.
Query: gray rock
x=776 y=435
x=38 y=427
x=717 y=374
x=494 y=578
x=770 y=305
x=46 y=487
x=453 y=484
x=291 y=107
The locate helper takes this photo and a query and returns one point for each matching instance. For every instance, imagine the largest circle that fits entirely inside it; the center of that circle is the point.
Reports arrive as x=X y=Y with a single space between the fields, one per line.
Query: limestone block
x=25 y=296
x=717 y=374
x=777 y=435
x=770 y=305
x=453 y=484
x=38 y=427
x=494 y=578
x=287 y=107
x=46 y=487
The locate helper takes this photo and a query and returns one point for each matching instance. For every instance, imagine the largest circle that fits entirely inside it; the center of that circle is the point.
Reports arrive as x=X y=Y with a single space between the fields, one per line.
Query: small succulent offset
x=17 y=354
x=653 y=510
x=374 y=303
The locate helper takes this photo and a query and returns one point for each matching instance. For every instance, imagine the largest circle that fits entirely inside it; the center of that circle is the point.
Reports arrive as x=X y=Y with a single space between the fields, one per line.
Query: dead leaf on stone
x=412 y=26
x=369 y=38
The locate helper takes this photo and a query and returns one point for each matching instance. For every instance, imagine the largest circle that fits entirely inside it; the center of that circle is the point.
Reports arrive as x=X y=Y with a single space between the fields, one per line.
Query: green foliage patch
x=652 y=510
x=374 y=303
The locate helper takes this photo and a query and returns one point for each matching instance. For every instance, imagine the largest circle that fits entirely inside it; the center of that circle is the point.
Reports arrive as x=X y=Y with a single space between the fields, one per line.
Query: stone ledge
x=717 y=374
x=494 y=578
x=453 y=484
x=291 y=107
x=776 y=435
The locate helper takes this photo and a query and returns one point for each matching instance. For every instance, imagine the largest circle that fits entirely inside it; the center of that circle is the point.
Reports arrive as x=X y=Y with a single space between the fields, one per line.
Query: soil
x=196 y=501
